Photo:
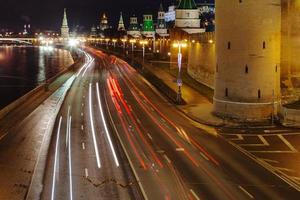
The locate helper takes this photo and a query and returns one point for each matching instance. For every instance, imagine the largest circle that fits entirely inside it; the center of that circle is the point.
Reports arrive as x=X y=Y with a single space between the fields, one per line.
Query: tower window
x=259 y=94
x=246 y=69
x=217 y=68
x=226 y=92
x=276 y=68
x=228 y=45
x=264 y=45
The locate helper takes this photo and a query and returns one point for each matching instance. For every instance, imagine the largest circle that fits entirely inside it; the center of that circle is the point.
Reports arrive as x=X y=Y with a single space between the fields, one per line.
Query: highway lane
x=169 y=149
x=85 y=162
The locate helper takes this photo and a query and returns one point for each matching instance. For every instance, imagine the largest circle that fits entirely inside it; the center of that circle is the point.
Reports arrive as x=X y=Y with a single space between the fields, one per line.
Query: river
x=22 y=68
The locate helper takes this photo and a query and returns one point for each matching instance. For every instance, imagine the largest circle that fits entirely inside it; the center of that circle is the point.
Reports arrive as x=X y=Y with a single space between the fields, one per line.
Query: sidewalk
x=197 y=107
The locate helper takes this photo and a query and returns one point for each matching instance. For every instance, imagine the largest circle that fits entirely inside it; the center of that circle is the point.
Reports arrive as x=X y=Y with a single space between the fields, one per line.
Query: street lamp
x=114 y=42
x=124 y=40
x=107 y=40
x=132 y=41
x=179 y=45
x=143 y=43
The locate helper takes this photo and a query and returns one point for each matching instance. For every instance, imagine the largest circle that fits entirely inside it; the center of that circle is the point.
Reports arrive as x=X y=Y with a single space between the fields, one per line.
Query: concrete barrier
x=41 y=88
x=290 y=117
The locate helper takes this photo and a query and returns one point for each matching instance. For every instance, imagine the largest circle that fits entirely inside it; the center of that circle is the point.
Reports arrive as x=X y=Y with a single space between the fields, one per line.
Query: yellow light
x=193 y=41
x=124 y=40
x=210 y=41
x=143 y=42
x=132 y=41
x=114 y=40
x=179 y=44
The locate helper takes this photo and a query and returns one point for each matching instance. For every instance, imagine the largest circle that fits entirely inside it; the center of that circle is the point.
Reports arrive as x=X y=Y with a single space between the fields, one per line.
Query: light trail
x=105 y=127
x=55 y=159
x=67 y=130
x=70 y=160
x=92 y=127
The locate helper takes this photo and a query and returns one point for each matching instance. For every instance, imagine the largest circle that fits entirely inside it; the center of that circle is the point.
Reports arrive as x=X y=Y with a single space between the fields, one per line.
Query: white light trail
x=67 y=132
x=92 y=127
x=70 y=160
x=105 y=127
x=55 y=159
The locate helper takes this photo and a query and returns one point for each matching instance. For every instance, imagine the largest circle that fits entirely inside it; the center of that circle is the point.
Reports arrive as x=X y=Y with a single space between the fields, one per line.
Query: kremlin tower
x=65 y=28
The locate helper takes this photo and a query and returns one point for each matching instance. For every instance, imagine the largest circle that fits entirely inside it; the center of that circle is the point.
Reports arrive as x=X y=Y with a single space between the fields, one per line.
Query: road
x=173 y=157
x=83 y=161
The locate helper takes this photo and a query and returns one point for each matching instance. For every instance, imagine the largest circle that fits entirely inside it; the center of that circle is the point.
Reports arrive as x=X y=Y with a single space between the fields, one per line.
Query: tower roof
x=161 y=8
x=187 y=4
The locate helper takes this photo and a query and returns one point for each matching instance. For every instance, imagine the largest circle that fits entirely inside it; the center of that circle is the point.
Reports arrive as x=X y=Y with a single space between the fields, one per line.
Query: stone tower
x=248 y=59
x=65 y=28
x=188 y=17
x=121 y=26
x=148 y=27
x=134 y=28
x=161 y=27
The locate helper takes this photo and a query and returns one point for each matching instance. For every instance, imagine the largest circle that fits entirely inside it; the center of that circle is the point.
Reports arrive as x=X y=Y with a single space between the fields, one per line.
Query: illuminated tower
x=188 y=17
x=65 y=28
x=248 y=37
x=148 y=27
x=121 y=26
x=161 y=27
x=134 y=28
x=103 y=22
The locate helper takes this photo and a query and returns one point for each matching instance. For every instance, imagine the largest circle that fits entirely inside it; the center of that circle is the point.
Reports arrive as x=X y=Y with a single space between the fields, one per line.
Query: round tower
x=248 y=59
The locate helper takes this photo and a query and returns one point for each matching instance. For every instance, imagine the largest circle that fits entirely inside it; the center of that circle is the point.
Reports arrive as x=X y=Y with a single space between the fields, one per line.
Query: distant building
x=170 y=15
x=65 y=28
x=188 y=17
x=134 y=28
x=93 y=32
x=161 y=27
x=121 y=26
x=148 y=26
x=104 y=22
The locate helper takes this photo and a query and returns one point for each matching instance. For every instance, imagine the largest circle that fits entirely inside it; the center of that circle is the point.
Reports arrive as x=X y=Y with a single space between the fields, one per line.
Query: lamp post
x=143 y=43
x=179 y=45
x=124 y=43
x=107 y=40
x=114 y=42
x=132 y=41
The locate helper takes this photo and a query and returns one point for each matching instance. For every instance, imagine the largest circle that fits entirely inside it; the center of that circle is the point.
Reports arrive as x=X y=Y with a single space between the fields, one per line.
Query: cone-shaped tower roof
x=121 y=25
x=187 y=4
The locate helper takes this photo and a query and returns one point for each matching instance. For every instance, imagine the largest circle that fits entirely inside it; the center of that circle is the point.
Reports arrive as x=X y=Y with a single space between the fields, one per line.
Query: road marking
x=82 y=104
x=287 y=143
x=246 y=192
x=86 y=172
x=150 y=136
x=194 y=194
x=83 y=146
x=68 y=126
x=179 y=149
x=81 y=114
x=284 y=169
x=166 y=157
x=160 y=151
x=269 y=160
x=262 y=139
x=238 y=137
x=204 y=156
x=82 y=127
x=275 y=131
x=55 y=158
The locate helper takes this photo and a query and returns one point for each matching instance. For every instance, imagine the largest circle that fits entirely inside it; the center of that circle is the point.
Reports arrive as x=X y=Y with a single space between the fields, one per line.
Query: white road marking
x=55 y=159
x=81 y=114
x=86 y=172
x=238 y=137
x=67 y=130
x=83 y=146
x=150 y=136
x=166 y=157
x=93 y=128
x=194 y=194
x=287 y=143
x=82 y=127
x=179 y=149
x=204 y=156
x=262 y=139
x=246 y=192
x=105 y=127
x=269 y=160
x=82 y=104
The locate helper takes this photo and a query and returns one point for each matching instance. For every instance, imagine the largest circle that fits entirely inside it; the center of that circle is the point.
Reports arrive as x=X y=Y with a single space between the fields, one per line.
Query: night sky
x=47 y=14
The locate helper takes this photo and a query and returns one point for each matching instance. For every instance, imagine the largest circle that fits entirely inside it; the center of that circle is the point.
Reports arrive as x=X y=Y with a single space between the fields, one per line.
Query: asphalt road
x=83 y=161
x=174 y=157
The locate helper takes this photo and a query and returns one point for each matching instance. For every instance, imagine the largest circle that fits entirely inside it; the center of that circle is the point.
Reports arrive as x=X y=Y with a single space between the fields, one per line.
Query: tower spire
x=65 y=27
x=121 y=26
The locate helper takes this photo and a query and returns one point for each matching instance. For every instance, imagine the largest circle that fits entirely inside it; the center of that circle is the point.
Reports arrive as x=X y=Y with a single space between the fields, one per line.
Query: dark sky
x=47 y=14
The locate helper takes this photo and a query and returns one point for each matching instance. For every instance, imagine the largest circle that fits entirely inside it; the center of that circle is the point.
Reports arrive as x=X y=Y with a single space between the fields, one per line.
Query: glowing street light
x=179 y=45
x=114 y=42
x=107 y=40
x=143 y=43
x=124 y=40
x=132 y=41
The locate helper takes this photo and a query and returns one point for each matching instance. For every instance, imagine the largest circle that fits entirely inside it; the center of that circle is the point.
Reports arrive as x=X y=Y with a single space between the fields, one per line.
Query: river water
x=22 y=68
